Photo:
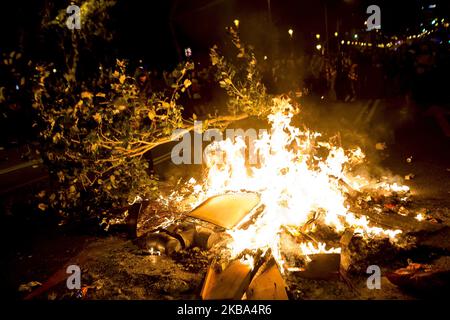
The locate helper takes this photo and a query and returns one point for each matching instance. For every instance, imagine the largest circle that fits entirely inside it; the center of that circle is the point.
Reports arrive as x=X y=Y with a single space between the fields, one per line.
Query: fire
x=309 y=248
x=420 y=217
x=294 y=182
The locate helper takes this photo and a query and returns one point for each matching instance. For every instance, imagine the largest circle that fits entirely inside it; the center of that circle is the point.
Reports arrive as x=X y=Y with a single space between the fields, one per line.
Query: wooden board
x=322 y=266
x=268 y=284
x=229 y=284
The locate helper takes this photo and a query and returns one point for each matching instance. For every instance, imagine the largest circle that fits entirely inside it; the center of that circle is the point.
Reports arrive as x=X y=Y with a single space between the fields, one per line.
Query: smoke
x=367 y=124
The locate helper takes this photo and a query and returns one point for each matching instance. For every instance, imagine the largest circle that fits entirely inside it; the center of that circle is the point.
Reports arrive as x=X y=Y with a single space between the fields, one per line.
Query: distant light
x=318 y=47
x=342 y=41
x=265 y=57
x=17 y=87
x=336 y=34
x=424 y=30
x=188 y=52
x=291 y=32
x=54 y=70
x=433 y=22
x=355 y=36
x=236 y=23
x=317 y=36
x=432 y=6
x=322 y=97
x=348 y=42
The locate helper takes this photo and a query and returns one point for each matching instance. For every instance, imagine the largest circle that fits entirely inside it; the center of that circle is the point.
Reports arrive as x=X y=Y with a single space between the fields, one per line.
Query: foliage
x=94 y=16
x=96 y=139
x=89 y=138
x=242 y=79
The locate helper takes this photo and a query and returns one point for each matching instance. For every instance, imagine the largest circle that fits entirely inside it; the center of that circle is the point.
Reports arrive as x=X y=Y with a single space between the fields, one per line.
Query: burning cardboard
x=321 y=266
x=226 y=210
x=228 y=284
x=300 y=183
x=268 y=283
x=220 y=212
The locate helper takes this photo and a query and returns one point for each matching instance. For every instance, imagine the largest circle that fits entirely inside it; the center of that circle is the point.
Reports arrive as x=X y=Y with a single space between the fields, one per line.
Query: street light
x=317 y=36
x=336 y=34
x=236 y=23
x=318 y=47
x=291 y=32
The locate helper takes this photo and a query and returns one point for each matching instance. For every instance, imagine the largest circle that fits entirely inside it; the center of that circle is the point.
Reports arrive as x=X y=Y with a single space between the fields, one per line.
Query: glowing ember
x=293 y=181
x=309 y=248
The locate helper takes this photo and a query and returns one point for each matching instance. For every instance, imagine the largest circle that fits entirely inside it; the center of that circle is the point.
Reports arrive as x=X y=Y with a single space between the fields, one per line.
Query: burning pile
x=303 y=182
x=302 y=210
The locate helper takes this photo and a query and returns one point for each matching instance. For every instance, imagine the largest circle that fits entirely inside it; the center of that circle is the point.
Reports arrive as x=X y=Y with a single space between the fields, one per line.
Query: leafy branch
x=97 y=139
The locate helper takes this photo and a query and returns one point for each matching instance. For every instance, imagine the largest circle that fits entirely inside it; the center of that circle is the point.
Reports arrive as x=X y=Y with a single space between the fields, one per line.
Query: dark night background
x=148 y=29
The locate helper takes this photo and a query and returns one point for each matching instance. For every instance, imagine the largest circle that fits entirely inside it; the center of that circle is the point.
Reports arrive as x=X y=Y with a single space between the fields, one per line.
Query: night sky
x=159 y=30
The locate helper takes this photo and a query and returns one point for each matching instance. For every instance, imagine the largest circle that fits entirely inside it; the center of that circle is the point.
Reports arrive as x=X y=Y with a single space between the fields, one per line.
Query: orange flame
x=292 y=180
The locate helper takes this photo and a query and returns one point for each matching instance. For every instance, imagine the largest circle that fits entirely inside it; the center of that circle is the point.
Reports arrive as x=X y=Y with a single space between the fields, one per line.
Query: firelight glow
x=293 y=181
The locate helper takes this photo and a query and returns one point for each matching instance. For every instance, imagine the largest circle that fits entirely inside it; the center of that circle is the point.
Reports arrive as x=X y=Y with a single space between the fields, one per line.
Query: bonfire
x=299 y=204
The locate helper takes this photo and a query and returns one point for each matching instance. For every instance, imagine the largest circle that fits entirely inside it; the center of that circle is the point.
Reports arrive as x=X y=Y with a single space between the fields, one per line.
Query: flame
x=248 y=260
x=420 y=217
x=308 y=249
x=293 y=181
x=154 y=252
